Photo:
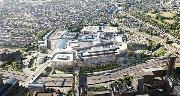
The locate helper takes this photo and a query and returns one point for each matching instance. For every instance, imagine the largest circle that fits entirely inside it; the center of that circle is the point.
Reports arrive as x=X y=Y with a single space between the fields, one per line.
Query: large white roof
x=95 y=29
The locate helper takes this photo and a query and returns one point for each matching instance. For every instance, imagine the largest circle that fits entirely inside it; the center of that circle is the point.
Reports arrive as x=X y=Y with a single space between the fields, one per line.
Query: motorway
x=136 y=71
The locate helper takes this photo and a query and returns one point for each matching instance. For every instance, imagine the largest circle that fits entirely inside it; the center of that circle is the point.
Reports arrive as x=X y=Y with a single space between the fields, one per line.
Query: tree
x=14 y=65
x=160 y=52
x=128 y=79
x=71 y=92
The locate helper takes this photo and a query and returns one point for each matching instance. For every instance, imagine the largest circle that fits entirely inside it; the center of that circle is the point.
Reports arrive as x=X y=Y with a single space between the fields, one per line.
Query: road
x=36 y=74
x=134 y=70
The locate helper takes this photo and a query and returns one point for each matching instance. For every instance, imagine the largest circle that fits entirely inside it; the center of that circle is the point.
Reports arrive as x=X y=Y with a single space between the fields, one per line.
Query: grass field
x=164 y=14
x=169 y=21
x=167 y=14
x=152 y=15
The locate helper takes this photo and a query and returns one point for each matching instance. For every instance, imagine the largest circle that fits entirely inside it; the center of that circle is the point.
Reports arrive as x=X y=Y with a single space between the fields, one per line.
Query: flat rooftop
x=44 y=94
x=56 y=81
x=151 y=69
x=81 y=44
x=63 y=57
x=94 y=29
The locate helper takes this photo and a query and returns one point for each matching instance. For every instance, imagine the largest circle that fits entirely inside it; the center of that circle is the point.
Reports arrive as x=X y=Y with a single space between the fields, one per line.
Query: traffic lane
x=135 y=70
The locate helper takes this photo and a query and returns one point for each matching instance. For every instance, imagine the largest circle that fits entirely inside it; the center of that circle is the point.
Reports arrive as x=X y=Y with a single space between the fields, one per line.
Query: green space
x=168 y=14
x=143 y=57
x=29 y=48
x=75 y=27
x=32 y=62
x=157 y=49
x=160 y=52
x=12 y=63
x=151 y=14
x=167 y=21
x=43 y=31
x=126 y=79
x=131 y=62
x=134 y=58
x=154 y=45
x=164 y=14
x=164 y=17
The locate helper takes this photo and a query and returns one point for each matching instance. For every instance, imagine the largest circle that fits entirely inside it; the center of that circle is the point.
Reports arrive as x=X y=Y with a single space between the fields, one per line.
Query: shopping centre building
x=94 y=45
